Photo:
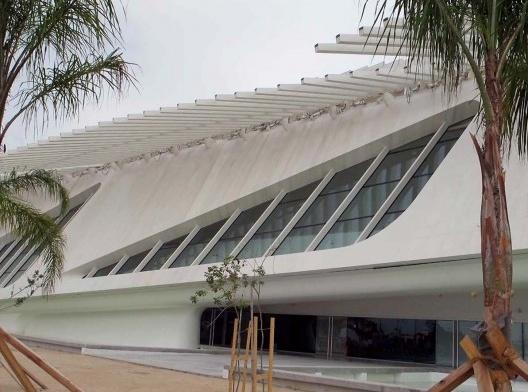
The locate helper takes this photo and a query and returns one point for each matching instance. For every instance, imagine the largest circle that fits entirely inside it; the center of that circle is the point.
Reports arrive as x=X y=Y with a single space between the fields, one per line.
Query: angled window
x=69 y=215
x=8 y=257
x=373 y=194
x=26 y=264
x=197 y=244
x=322 y=209
x=104 y=271
x=34 y=253
x=422 y=175
x=162 y=255
x=6 y=253
x=5 y=248
x=132 y=262
x=276 y=222
x=15 y=263
x=234 y=234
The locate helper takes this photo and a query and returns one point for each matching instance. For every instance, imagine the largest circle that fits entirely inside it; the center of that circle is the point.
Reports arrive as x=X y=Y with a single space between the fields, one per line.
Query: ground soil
x=97 y=374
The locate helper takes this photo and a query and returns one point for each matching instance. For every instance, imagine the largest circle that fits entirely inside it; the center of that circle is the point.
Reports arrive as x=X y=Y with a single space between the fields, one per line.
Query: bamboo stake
x=482 y=372
x=506 y=354
x=40 y=362
x=15 y=366
x=271 y=354
x=8 y=370
x=233 y=356
x=254 y=346
x=246 y=354
x=34 y=378
x=28 y=373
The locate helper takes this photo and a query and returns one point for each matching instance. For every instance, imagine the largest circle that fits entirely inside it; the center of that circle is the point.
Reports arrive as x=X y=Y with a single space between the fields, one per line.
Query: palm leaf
x=38 y=181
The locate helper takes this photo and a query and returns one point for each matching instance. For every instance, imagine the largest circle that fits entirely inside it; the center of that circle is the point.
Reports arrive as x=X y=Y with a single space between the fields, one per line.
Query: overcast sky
x=189 y=49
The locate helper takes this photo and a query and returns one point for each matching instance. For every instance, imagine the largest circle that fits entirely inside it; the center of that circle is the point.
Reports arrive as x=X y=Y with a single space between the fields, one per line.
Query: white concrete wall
x=160 y=328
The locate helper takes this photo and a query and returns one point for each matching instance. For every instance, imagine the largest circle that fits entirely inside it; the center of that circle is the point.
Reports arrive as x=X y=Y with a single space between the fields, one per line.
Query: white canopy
x=151 y=131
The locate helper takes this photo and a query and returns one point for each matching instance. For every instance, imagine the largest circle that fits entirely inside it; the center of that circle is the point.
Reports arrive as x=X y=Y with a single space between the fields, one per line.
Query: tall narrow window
x=276 y=222
x=197 y=244
x=322 y=209
x=373 y=194
x=234 y=234
x=422 y=175
x=162 y=255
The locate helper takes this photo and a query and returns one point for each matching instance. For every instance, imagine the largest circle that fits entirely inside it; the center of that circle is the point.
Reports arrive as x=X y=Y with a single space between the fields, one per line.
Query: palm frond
x=448 y=37
x=37 y=229
x=516 y=104
x=438 y=37
x=48 y=46
x=64 y=89
x=45 y=182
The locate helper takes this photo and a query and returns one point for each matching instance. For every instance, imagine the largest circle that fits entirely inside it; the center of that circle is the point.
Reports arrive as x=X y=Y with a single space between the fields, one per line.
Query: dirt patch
x=98 y=374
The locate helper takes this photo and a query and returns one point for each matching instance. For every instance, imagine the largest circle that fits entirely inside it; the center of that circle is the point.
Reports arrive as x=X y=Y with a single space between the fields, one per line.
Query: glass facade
x=322 y=338
x=166 y=250
x=234 y=234
x=276 y=222
x=197 y=244
x=433 y=342
x=517 y=332
x=132 y=262
x=445 y=340
x=373 y=194
x=322 y=209
x=391 y=339
x=525 y=340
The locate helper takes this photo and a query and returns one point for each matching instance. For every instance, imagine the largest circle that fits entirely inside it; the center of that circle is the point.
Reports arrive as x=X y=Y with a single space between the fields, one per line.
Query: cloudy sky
x=188 y=49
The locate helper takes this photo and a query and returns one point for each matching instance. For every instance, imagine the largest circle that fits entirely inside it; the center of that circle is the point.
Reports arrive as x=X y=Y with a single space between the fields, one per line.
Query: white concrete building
x=361 y=191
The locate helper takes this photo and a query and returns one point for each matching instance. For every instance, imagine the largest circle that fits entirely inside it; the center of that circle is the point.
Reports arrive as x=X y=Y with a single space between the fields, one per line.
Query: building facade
x=364 y=215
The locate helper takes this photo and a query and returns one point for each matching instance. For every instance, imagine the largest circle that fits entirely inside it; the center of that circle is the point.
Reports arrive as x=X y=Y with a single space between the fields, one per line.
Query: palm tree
x=489 y=38
x=55 y=56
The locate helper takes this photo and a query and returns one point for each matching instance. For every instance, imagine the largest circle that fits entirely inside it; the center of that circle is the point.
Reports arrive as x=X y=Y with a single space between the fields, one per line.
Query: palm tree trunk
x=495 y=226
x=496 y=245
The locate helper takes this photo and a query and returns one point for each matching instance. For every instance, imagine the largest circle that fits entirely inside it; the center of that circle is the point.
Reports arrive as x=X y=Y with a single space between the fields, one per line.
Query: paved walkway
x=213 y=364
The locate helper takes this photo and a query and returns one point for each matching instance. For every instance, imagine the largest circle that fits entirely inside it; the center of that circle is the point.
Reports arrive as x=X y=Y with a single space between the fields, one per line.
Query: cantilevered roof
x=386 y=39
x=188 y=123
